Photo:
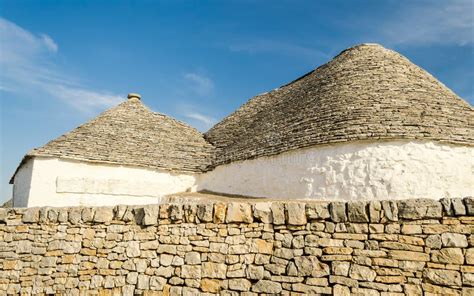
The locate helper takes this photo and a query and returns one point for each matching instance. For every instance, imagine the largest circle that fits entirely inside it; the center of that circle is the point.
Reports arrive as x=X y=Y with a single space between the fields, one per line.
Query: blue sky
x=64 y=62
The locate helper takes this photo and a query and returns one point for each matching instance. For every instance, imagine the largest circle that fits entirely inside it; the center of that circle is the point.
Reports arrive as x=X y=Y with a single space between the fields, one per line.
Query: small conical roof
x=131 y=134
x=367 y=92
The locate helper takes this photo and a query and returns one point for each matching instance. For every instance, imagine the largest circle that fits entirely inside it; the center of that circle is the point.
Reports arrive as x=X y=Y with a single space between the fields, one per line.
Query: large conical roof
x=131 y=134
x=366 y=92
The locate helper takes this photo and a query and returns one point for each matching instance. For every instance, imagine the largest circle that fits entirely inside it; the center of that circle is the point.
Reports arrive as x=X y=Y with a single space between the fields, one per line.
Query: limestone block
x=4 y=215
x=254 y=272
x=454 y=240
x=103 y=215
x=210 y=285
x=448 y=256
x=219 y=212
x=362 y=273
x=191 y=271
x=31 y=215
x=442 y=277
x=204 y=212
x=390 y=210
x=192 y=258
x=150 y=215
x=133 y=249
x=296 y=213
x=357 y=211
x=337 y=211
x=434 y=241
x=239 y=212
x=470 y=256
x=375 y=211
x=214 y=270
x=239 y=284
x=469 y=203
x=278 y=213
x=265 y=286
x=419 y=209
x=262 y=211
x=318 y=211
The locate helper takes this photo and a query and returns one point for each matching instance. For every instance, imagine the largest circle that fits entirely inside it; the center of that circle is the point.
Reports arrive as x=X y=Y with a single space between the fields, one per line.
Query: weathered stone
x=176 y=212
x=219 y=212
x=210 y=285
x=265 y=286
x=192 y=258
x=157 y=283
x=340 y=268
x=239 y=212
x=337 y=211
x=408 y=255
x=363 y=273
x=278 y=213
x=341 y=290
x=87 y=214
x=442 y=277
x=204 y=212
x=310 y=265
x=469 y=203
x=357 y=211
x=454 y=240
x=448 y=256
x=255 y=272
x=433 y=241
x=317 y=211
x=133 y=249
x=261 y=246
x=214 y=270
x=192 y=271
x=31 y=215
x=4 y=215
x=419 y=209
x=458 y=207
x=390 y=209
x=240 y=285
x=470 y=256
x=103 y=215
x=143 y=282
x=375 y=211
x=296 y=213
x=262 y=211
x=150 y=215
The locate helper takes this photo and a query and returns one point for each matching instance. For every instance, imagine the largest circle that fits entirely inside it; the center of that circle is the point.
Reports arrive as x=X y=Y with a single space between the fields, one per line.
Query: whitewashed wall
x=58 y=182
x=357 y=170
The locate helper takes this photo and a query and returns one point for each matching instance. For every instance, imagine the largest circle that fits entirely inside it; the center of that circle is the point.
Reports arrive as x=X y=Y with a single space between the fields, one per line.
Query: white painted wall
x=349 y=171
x=59 y=182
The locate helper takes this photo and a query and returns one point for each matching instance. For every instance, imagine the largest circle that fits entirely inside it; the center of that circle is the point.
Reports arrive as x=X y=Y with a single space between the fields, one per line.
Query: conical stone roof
x=131 y=134
x=367 y=92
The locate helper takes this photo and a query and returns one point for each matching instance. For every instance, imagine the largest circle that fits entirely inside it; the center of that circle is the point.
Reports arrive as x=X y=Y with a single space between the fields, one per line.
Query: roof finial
x=134 y=96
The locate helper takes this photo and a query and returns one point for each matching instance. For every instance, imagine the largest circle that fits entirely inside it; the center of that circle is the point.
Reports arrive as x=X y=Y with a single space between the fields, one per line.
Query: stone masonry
x=411 y=247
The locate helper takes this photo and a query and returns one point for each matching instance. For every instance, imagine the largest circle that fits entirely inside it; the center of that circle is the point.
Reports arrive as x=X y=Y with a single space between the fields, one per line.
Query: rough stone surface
x=287 y=248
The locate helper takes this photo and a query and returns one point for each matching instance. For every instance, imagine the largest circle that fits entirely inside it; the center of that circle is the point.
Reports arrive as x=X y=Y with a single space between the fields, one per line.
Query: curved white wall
x=59 y=182
x=357 y=170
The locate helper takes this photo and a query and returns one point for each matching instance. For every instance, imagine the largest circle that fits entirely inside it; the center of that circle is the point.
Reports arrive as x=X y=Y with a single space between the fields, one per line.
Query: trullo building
x=369 y=124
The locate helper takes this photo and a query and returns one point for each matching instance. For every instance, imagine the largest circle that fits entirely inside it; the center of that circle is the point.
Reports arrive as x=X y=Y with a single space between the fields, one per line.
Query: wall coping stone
x=276 y=212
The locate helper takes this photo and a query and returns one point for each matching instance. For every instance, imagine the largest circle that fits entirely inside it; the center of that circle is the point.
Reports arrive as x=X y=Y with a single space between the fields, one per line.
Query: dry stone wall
x=411 y=247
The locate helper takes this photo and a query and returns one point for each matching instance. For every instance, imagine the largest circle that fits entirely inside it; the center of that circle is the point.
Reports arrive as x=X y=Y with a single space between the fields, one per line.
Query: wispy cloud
x=274 y=46
x=28 y=65
x=201 y=84
x=196 y=117
x=434 y=22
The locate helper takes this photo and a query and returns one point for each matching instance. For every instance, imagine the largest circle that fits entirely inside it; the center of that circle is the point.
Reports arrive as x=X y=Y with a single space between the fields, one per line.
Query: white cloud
x=432 y=22
x=266 y=46
x=201 y=84
x=206 y=120
x=27 y=63
x=49 y=42
x=195 y=117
